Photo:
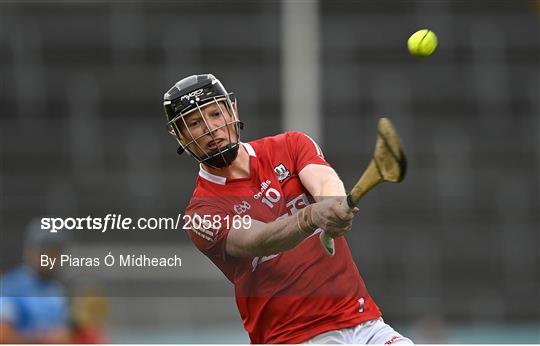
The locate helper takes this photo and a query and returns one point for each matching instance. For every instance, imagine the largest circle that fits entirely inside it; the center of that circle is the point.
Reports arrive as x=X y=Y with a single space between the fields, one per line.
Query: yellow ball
x=422 y=43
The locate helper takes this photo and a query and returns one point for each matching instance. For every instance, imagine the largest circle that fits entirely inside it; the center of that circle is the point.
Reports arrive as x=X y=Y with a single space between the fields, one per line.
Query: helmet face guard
x=187 y=98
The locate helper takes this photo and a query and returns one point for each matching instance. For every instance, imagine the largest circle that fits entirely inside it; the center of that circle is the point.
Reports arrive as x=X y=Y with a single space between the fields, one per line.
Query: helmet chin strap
x=222 y=157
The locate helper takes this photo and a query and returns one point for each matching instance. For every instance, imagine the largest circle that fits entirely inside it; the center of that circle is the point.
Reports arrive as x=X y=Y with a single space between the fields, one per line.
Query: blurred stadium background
x=450 y=255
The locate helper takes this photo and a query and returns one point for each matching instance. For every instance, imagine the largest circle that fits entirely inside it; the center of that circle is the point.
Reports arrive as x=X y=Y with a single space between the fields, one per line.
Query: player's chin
x=220 y=146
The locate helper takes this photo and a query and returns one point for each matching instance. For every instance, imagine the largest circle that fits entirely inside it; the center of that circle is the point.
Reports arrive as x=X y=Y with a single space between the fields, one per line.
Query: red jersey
x=287 y=297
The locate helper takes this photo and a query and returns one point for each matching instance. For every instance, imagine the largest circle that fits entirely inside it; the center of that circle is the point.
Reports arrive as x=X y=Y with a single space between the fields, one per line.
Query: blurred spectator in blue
x=33 y=303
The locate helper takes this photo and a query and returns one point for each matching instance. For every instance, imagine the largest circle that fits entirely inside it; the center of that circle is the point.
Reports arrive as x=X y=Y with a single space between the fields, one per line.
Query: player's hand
x=333 y=215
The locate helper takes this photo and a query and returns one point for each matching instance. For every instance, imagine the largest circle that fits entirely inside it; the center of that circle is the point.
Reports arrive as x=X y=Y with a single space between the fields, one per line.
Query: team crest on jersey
x=282 y=172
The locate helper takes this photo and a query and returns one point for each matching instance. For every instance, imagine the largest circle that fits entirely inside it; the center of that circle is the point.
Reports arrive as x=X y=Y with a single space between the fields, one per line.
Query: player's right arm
x=263 y=239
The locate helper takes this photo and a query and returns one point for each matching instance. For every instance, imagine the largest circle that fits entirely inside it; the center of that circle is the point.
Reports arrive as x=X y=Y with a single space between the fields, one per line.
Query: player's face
x=208 y=130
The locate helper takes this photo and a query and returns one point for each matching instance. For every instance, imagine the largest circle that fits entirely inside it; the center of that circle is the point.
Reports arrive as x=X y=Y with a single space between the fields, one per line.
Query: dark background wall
x=82 y=133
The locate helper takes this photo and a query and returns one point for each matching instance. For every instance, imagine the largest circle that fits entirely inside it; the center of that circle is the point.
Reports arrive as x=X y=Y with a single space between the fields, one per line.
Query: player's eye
x=216 y=114
x=193 y=123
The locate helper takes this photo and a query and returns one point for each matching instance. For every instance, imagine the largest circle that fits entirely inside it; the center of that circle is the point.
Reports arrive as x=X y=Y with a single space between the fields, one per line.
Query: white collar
x=216 y=179
x=249 y=149
x=211 y=177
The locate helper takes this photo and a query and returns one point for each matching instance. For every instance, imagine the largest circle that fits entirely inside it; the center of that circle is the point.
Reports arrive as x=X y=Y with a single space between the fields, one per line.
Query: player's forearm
x=331 y=187
x=280 y=235
x=264 y=239
x=321 y=181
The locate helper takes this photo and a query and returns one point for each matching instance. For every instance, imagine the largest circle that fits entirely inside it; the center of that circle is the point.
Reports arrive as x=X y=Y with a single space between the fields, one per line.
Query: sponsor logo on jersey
x=264 y=185
x=297 y=203
x=242 y=207
x=282 y=172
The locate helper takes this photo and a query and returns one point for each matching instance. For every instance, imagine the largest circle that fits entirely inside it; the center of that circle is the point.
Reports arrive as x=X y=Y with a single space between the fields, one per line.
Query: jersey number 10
x=271 y=196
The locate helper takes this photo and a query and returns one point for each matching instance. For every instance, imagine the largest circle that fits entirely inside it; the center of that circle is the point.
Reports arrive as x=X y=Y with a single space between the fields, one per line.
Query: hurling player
x=288 y=290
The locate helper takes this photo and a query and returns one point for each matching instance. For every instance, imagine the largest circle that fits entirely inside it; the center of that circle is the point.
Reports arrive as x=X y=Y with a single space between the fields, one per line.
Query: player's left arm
x=321 y=181
x=315 y=173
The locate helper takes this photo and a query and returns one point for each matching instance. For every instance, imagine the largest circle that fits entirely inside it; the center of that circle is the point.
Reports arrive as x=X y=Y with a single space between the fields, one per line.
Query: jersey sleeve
x=304 y=150
x=207 y=226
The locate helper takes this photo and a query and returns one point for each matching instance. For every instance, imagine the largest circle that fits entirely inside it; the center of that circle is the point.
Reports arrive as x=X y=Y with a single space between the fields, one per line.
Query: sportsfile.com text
x=111 y=222
x=118 y=222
